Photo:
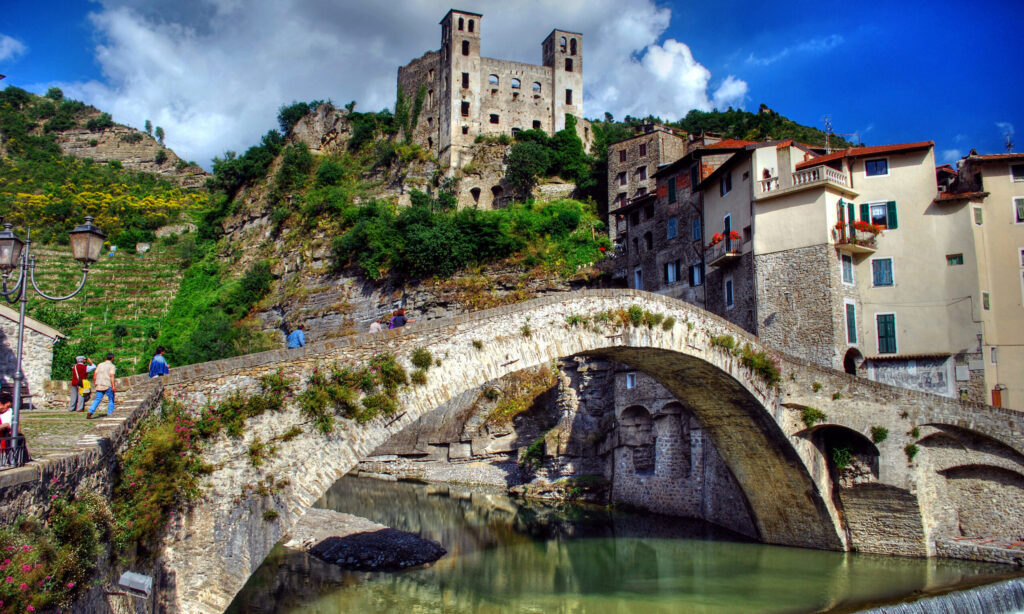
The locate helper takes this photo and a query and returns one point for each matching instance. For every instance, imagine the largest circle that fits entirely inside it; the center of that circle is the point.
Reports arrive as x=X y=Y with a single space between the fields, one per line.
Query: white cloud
x=950 y=156
x=10 y=48
x=810 y=47
x=1005 y=128
x=213 y=73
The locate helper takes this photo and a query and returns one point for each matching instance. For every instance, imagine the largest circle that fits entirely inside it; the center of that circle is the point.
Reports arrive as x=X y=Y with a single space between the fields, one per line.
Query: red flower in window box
x=716 y=239
x=866 y=227
x=735 y=236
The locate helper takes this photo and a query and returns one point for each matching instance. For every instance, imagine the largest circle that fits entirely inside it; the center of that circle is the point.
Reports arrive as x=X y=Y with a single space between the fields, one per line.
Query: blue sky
x=214 y=72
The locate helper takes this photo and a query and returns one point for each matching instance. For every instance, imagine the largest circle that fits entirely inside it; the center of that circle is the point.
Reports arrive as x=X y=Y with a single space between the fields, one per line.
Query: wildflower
x=30 y=609
x=71 y=585
x=23 y=586
x=10 y=579
x=26 y=568
x=26 y=548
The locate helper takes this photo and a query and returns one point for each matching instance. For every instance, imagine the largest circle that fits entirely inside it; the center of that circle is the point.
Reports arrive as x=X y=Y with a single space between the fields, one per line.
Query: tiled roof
x=997 y=157
x=858 y=152
x=946 y=168
x=730 y=144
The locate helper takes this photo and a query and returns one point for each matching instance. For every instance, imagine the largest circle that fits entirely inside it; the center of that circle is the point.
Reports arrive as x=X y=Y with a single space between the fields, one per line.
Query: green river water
x=507 y=555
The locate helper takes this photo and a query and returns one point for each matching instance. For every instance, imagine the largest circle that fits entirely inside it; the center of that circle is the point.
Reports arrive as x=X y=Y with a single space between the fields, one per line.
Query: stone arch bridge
x=781 y=465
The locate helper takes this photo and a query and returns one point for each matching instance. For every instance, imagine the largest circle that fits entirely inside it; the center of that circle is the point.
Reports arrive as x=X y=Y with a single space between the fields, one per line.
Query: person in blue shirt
x=297 y=338
x=158 y=365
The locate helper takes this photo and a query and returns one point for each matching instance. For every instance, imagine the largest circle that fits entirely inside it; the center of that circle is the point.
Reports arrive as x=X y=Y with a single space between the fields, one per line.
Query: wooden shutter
x=865 y=213
x=842 y=216
x=890 y=221
x=849 y=213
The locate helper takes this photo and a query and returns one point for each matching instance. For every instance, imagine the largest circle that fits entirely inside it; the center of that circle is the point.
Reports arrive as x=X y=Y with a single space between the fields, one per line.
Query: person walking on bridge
x=103 y=384
x=158 y=364
x=297 y=338
x=80 y=386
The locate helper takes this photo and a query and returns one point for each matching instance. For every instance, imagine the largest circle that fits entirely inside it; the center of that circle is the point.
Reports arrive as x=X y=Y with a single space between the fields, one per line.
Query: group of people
x=396 y=320
x=103 y=383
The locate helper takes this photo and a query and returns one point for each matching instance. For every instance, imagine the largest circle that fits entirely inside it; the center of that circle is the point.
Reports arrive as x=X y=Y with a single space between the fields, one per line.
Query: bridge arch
x=221 y=541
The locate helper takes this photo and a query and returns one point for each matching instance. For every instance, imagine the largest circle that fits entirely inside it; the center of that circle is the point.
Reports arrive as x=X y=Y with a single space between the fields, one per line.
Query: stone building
x=37 y=355
x=462 y=95
x=632 y=163
x=987 y=196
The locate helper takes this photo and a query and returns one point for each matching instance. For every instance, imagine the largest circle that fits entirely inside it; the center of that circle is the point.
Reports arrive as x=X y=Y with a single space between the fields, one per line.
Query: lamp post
x=86 y=245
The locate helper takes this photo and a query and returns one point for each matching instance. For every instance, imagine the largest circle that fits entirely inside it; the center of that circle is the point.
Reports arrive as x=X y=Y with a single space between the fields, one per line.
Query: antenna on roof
x=829 y=133
x=1008 y=135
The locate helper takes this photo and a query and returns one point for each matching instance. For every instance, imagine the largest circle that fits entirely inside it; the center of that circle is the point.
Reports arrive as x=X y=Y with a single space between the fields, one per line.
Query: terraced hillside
x=128 y=290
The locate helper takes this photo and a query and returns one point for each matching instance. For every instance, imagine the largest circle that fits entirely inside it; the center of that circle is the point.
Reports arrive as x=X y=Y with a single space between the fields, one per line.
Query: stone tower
x=563 y=53
x=460 y=66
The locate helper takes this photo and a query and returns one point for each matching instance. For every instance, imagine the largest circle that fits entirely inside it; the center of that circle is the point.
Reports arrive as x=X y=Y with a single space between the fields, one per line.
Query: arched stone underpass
x=212 y=549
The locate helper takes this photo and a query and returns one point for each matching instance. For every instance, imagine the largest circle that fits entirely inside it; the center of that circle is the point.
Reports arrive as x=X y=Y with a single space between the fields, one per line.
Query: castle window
x=516 y=84
x=572 y=46
x=465 y=47
x=430 y=98
x=465 y=108
x=465 y=80
x=568 y=64
x=461 y=24
x=494 y=118
x=516 y=131
x=643 y=149
x=430 y=122
x=475 y=193
x=622 y=155
x=470 y=25
x=536 y=87
x=492 y=80
x=465 y=130
x=430 y=142
x=562 y=44
x=430 y=74
x=568 y=97
x=536 y=124
x=496 y=191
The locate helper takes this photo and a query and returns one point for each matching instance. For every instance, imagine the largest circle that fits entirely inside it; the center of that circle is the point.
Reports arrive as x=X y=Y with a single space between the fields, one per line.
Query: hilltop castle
x=466 y=95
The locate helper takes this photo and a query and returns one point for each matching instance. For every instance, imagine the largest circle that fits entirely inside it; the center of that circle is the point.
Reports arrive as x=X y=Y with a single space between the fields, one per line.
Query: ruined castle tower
x=465 y=95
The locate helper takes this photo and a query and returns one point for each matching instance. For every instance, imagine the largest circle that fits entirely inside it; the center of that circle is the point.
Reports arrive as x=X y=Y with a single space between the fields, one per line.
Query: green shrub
x=131 y=137
x=102 y=122
x=478 y=344
x=290 y=434
x=761 y=363
x=276 y=383
x=289 y=115
x=422 y=358
x=842 y=457
x=811 y=416
x=533 y=455
x=815 y=386
x=636 y=315
x=160 y=157
x=724 y=341
x=879 y=434
x=915 y=433
x=668 y=324
x=525 y=330
x=574 y=320
x=911 y=451
x=837 y=395
x=418 y=377
x=55 y=93
x=270 y=515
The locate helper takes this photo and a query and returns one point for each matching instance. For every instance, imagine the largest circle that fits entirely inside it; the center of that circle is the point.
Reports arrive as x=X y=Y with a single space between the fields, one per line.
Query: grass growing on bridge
x=336 y=391
x=162 y=465
x=521 y=392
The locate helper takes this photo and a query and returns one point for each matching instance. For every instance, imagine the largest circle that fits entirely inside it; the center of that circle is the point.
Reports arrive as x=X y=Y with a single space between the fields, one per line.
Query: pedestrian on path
x=80 y=386
x=6 y=413
x=375 y=326
x=297 y=338
x=103 y=384
x=399 y=320
x=158 y=364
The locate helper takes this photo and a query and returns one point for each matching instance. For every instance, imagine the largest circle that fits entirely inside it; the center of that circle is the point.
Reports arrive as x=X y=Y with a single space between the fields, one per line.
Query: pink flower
x=38 y=565
x=132 y=484
x=71 y=585
x=9 y=579
x=30 y=609
x=52 y=497
x=54 y=480
x=26 y=568
x=26 y=548
x=23 y=586
x=7 y=561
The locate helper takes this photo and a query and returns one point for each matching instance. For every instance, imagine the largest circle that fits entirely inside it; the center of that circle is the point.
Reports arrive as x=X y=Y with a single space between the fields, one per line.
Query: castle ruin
x=465 y=95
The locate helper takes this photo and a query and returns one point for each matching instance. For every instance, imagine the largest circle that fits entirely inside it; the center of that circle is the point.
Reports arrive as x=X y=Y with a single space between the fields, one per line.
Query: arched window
x=460 y=24
x=465 y=47
x=430 y=98
x=492 y=80
x=470 y=25
x=572 y=46
x=562 y=44
x=516 y=84
x=475 y=193
x=536 y=87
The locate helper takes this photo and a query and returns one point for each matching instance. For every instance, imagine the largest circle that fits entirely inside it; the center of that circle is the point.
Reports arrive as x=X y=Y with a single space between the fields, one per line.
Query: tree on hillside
x=160 y=135
x=149 y=127
x=54 y=93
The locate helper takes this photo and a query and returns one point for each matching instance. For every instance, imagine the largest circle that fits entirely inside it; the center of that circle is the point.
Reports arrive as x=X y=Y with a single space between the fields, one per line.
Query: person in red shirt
x=79 y=374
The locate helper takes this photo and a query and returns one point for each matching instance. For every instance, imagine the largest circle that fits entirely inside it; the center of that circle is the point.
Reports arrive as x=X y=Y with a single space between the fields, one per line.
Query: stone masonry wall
x=741 y=271
x=795 y=303
x=36 y=359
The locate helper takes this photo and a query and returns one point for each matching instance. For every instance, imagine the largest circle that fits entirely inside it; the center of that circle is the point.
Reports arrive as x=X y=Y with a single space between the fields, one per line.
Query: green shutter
x=865 y=212
x=849 y=212
x=672 y=190
x=851 y=323
x=1020 y=209
x=890 y=221
x=842 y=217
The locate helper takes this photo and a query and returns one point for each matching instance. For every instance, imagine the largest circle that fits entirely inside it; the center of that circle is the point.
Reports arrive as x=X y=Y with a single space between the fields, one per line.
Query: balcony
x=723 y=253
x=808 y=178
x=854 y=240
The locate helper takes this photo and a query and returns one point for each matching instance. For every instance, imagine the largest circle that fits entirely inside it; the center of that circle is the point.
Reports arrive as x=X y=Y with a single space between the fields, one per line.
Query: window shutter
x=890 y=221
x=1020 y=208
x=842 y=216
x=690 y=275
x=865 y=212
x=849 y=213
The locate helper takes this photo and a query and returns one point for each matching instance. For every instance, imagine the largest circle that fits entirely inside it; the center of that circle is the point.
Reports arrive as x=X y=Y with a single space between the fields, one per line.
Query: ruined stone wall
x=522 y=108
x=624 y=183
x=796 y=303
x=424 y=72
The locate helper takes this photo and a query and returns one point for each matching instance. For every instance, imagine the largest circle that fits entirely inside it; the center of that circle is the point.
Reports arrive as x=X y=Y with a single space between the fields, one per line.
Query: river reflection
x=508 y=556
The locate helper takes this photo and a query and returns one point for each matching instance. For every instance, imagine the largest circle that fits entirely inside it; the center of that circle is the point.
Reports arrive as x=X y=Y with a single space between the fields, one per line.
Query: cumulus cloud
x=213 y=73
x=1005 y=128
x=810 y=47
x=10 y=48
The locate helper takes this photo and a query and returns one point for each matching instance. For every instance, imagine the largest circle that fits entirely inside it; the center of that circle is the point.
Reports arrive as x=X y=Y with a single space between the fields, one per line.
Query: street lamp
x=86 y=245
